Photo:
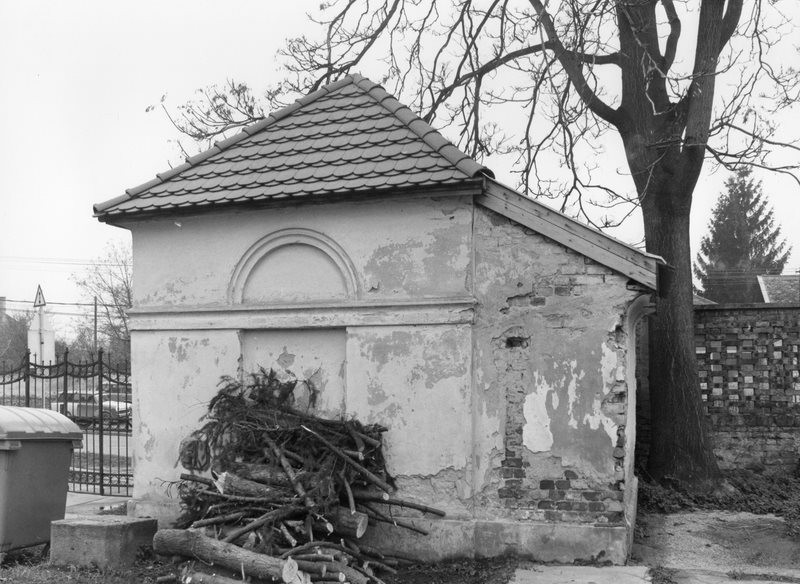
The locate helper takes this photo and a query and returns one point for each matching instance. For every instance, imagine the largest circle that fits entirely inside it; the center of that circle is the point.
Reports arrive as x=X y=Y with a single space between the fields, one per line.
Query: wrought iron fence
x=96 y=394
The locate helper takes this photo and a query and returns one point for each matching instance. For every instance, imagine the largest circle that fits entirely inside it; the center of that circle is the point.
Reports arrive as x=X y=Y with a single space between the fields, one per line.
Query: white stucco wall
x=400 y=249
x=238 y=275
x=496 y=358
x=175 y=374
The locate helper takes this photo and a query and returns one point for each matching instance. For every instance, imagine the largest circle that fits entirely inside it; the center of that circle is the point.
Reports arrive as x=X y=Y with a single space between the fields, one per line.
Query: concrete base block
x=105 y=541
x=544 y=542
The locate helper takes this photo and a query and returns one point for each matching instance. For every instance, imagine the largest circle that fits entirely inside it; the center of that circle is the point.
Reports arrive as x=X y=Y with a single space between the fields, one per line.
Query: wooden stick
x=376 y=480
x=218 y=519
x=197 y=479
x=351 y=503
x=368 y=439
x=383 y=518
x=358 y=455
x=315 y=544
x=287 y=468
x=314 y=558
x=241 y=499
x=362 y=494
x=287 y=536
x=318 y=568
x=203 y=578
x=270 y=517
x=356 y=438
x=398 y=503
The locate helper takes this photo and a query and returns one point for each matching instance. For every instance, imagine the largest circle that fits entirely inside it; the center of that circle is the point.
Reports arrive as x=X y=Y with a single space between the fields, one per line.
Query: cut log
x=202 y=578
x=350 y=575
x=263 y=473
x=192 y=544
x=346 y=523
x=229 y=484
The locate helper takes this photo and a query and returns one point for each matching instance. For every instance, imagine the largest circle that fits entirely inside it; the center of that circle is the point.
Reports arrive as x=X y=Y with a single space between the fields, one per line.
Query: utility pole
x=95 y=325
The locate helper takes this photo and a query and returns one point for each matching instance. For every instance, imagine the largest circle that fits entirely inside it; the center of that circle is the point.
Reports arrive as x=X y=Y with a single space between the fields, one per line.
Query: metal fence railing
x=96 y=394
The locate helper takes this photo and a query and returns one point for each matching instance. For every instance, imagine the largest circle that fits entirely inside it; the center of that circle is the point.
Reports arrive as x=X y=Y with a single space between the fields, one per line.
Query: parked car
x=85 y=408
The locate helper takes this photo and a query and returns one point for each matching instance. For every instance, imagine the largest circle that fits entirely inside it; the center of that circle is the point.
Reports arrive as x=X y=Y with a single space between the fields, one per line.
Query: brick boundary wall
x=747 y=359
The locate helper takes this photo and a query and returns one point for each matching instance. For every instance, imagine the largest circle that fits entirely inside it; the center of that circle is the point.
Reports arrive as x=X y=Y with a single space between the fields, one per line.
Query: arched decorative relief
x=310 y=253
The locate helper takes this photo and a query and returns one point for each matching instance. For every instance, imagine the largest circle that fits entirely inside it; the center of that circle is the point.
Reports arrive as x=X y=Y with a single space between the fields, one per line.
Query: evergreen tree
x=743 y=242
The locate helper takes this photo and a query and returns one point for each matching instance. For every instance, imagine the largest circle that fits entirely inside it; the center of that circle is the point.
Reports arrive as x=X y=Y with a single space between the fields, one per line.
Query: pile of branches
x=288 y=495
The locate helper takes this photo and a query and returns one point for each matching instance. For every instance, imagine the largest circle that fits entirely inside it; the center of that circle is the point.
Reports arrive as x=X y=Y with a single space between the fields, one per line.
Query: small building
x=345 y=238
x=780 y=288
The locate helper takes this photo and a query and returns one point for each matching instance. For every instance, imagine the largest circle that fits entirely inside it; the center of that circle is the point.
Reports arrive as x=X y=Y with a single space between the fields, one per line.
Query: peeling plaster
x=536 y=434
x=529 y=286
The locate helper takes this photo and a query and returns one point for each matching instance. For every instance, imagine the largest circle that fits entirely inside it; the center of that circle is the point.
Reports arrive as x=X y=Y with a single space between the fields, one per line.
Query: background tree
x=743 y=242
x=108 y=280
x=542 y=84
x=14 y=338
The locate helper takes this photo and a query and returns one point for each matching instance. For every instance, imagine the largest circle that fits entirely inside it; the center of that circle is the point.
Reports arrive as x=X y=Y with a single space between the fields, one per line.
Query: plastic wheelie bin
x=35 y=453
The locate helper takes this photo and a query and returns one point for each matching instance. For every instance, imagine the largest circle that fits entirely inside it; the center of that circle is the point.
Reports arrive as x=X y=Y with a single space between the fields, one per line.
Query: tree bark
x=192 y=544
x=680 y=445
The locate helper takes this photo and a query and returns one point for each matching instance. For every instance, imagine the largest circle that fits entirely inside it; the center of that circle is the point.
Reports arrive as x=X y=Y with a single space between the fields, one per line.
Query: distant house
x=345 y=238
x=780 y=289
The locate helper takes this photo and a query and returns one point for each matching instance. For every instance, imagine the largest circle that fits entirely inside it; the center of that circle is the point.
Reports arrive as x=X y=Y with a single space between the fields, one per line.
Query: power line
x=89 y=304
x=60 y=261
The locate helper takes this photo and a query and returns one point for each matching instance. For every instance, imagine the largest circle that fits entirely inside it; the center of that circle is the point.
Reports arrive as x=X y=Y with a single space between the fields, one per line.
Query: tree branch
x=573 y=69
x=674 y=35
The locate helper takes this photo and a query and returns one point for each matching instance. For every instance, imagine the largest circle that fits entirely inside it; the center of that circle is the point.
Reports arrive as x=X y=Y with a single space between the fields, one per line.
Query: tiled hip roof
x=350 y=136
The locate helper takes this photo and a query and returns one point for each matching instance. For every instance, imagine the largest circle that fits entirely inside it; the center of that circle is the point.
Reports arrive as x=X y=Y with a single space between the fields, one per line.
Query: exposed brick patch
x=566 y=498
x=543 y=293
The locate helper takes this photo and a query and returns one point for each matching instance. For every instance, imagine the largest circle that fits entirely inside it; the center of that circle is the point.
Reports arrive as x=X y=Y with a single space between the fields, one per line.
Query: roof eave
x=468 y=187
x=638 y=265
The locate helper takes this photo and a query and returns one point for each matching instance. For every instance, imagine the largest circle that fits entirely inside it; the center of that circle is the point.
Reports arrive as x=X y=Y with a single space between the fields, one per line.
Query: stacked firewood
x=289 y=494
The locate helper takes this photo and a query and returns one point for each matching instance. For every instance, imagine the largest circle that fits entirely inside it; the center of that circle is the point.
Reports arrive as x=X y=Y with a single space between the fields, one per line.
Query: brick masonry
x=747 y=358
x=555 y=296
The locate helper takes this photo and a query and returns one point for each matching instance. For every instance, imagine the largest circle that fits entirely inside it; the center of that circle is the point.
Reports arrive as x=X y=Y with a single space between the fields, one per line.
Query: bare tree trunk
x=680 y=445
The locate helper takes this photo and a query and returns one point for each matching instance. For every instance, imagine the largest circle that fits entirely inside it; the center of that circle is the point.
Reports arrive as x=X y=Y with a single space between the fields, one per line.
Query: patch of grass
x=30 y=566
x=738 y=491
x=662 y=575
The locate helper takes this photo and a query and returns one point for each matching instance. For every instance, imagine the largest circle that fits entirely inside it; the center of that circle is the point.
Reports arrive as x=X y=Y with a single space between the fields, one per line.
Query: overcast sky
x=77 y=78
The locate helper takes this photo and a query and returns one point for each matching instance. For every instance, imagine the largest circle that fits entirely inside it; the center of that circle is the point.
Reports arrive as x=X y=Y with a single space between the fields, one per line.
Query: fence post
x=28 y=378
x=63 y=397
x=100 y=400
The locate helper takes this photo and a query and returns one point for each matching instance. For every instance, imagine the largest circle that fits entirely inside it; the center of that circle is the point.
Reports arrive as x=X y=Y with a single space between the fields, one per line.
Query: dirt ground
x=741 y=546
x=29 y=568
x=737 y=544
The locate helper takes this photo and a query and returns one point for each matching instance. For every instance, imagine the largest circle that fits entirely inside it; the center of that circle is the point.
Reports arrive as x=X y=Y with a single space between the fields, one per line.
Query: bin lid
x=36 y=424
